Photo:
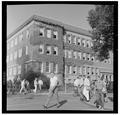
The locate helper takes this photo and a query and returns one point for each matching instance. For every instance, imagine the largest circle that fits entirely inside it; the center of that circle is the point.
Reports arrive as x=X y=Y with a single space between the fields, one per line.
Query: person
x=99 y=101
x=86 y=88
x=40 y=83
x=23 y=86
x=104 y=91
x=53 y=90
x=27 y=85
x=80 y=88
x=35 y=85
x=76 y=85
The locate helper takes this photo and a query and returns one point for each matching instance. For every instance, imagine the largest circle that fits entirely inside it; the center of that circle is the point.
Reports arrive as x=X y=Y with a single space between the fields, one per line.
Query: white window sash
x=49 y=33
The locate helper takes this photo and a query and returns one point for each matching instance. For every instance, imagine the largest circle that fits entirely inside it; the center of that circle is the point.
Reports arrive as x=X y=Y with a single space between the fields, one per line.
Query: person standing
x=40 y=83
x=53 y=90
x=104 y=91
x=80 y=87
x=23 y=82
x=76 y=86
x=99 y=95
x=35 y=85
x=86 y=88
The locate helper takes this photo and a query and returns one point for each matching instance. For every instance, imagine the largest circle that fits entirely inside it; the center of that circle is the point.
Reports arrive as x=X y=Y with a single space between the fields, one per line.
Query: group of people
x=85 y=87
x=88 y=88
x=25 y=85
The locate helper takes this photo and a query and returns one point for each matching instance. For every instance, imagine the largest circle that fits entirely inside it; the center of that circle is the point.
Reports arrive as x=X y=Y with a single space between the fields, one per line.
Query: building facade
x=46 y=46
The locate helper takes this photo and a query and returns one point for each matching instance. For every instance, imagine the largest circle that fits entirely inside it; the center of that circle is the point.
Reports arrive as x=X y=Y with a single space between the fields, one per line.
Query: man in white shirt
x=86 y=88
x=35 y=85
x=23 y=82
x=52 y=90
x=77 y=84
x=40 y=83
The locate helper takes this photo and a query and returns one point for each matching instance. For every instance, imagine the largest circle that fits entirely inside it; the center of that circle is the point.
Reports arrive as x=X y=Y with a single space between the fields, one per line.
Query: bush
x=31 y=75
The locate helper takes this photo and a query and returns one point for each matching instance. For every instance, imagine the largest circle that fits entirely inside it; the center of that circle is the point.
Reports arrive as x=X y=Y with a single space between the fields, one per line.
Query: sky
x=75 y=15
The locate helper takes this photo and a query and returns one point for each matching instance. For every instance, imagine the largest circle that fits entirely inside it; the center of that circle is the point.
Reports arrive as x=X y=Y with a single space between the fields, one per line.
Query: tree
x=101 y=19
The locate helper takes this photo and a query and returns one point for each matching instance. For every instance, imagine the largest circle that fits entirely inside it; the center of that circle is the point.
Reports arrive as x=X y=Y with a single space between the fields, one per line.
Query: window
x=20 y=52
x=80 y=70
x=84 y=43
x=79 y=41
x=55 y=34
x=84 y=56
x=75 y=55
x=88 y=57
x=40 y=66
x=65 y=51
x=92 y=58
x=69 y=69
x=88 y=44
x=74 y=40
x=69 y=39
x=11 y=57
x=97 y=71
x=69 y=54
x=19 y=69
x=75 y=70
x=20 y=37
x=15 y=55
x=48 y=33
x=79 y=55
x=48 y=50
x=16 y=41
x=91 y=44
x=84 y=70
x=14 y=70
x=41 y=49
x=65 y=69
x=47 y=67
x=93 y=71
x=111 y=77
x=55 y=50
x=41 y=33
x=27 y=34
x=64 y=38
x=88 y=70
x=12 y=43
x=55 y=68
x=26 y=50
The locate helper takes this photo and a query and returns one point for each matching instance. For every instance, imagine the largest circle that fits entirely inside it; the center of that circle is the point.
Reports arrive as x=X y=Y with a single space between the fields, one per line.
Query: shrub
x=31 y=75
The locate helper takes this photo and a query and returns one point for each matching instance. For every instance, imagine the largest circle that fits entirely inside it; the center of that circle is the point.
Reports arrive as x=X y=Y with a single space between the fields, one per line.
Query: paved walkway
x=35 y=102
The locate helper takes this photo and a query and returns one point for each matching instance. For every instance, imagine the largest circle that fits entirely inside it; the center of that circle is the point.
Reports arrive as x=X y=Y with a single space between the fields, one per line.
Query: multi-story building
x=47 y=45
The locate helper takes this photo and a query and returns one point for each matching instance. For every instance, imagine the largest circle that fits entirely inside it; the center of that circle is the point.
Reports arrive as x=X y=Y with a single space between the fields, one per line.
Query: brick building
x=47 y=45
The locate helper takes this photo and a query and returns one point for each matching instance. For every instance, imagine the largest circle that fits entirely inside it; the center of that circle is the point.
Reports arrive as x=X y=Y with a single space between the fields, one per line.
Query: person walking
x=40 y=83
x=104 y=91
x=53 y=90
x=76 y=86
x=80 y=88
x=99 y=101
x=23 y=82
x=86 y=88
x=35 y=85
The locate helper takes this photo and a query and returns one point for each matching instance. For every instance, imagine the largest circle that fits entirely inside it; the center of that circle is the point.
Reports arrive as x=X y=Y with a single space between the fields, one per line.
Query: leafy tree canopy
x=101 y=19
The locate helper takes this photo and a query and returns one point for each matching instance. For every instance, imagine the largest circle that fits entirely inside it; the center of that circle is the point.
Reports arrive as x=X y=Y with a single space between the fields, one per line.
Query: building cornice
x=53 y=22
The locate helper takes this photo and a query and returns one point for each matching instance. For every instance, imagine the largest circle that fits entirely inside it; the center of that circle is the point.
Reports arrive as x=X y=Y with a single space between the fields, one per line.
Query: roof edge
x=44 y=19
